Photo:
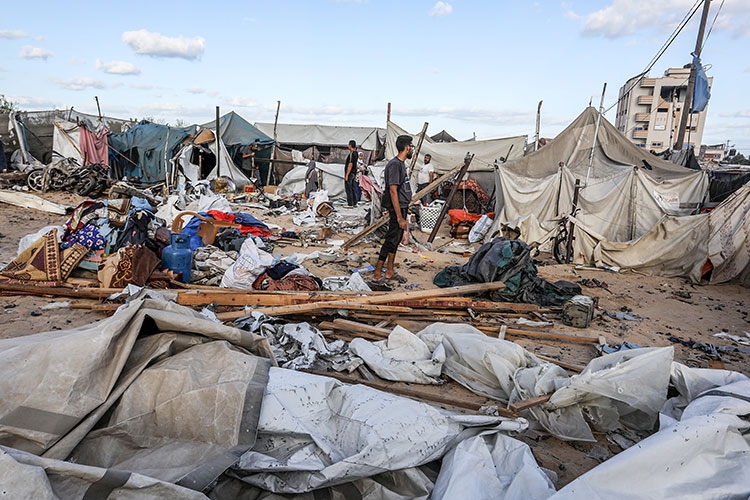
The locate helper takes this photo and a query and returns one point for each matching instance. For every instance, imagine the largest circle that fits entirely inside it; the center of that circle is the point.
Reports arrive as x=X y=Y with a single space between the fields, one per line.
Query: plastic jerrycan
x=178 y=257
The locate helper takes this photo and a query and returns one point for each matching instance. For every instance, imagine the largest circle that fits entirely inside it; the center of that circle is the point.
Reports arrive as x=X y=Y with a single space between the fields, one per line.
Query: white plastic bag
x=480 y=228
x=30 y=239
x=251 y=262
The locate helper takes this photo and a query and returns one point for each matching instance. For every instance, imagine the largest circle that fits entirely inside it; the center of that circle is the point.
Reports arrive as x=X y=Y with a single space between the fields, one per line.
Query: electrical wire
x=662 y=50
x=712 y=25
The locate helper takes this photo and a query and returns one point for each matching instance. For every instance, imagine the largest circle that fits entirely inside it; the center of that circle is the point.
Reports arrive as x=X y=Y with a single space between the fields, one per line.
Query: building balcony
x=642 y=117
x=648 y=82
x=645 y=99
x=640 y=134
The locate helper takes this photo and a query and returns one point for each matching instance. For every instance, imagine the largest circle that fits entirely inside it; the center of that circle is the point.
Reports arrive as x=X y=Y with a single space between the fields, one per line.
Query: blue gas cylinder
x=178 y=257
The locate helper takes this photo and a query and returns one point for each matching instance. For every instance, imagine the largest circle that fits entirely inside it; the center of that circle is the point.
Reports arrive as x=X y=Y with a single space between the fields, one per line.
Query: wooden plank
x=372 y=299
x=410 y=392
x=362 y=326
x=551 y=336
x=446 y=206
x=568 y=366
x=348 y=335
x=529 y=403
x=82 y=293
x=420 y=194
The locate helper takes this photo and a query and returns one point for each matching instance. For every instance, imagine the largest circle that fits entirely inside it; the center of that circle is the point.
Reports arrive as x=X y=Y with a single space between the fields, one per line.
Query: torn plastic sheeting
x=31 y=238
x=353 y=283
x=57 y=385
x=703 y=456
x=316 y=432
x=28 y=200
x=490 y=466
x=305 y=219
x=25 y=475
x=623 y=388
x=402 y=357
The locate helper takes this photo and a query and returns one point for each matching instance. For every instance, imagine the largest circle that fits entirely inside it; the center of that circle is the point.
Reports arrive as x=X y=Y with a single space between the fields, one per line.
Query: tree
x=7 y=106
x=738 y=159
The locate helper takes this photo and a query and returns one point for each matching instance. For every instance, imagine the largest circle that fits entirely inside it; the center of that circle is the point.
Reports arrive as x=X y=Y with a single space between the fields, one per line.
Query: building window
x=657 y=144
x=641 y=145
x=663 y=110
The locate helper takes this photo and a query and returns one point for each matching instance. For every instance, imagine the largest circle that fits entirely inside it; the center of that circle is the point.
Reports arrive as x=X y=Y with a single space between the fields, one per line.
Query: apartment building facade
x=649 y=111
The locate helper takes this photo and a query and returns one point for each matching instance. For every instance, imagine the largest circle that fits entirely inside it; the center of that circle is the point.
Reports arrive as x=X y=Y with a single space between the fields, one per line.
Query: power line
x=712 y=25
x=661 y=51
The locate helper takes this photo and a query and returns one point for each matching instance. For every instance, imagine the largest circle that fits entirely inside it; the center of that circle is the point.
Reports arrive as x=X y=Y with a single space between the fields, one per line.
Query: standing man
x=396 y=200
x=425 y=176
x=350 y=171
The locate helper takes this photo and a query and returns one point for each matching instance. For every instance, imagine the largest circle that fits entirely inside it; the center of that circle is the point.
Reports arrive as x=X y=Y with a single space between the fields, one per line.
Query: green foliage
x=7 y=106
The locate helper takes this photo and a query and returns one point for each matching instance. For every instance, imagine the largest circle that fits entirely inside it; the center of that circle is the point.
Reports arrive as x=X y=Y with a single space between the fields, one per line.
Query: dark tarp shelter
x=147 y=147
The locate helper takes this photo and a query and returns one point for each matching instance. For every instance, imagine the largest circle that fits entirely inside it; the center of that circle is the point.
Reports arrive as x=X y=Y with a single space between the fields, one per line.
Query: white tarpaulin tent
x=67 y=147
x=332 y=175
x=628 y=192
x=447 y=155
x=370 y=138
x=191 y=171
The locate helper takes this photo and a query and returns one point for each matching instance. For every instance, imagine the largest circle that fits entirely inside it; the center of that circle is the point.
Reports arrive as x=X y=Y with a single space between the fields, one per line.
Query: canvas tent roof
x=236 y=131
x=446 y=155
x=614 y=153
x=443 y=136
x=325 y=135
x=206 y=138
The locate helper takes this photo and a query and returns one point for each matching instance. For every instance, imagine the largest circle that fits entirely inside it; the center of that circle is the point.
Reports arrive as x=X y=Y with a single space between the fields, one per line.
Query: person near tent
x=425 y=176
x=396 y=200
x=350 y=167
x=311 y=179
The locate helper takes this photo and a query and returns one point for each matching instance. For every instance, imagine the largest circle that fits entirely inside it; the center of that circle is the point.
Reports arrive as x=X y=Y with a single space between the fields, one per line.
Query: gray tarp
x=226 y=165
x=325 y=135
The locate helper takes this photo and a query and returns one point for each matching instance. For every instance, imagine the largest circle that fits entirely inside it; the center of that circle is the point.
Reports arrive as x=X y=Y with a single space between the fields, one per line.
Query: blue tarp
x=701 y=94
x=144 y=144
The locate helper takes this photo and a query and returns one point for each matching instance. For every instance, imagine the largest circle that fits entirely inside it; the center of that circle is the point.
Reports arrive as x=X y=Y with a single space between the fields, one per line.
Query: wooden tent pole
x=272 y=166
x=461 y=174
x=419 y=148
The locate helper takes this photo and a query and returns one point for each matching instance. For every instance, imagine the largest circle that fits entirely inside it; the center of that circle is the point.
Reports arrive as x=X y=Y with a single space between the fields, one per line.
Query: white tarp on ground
x=325 y=135
x=680 y=246
x=28 y=200
x=226 y=165
x=701 y=453
x=447 y=155
x=332 y=175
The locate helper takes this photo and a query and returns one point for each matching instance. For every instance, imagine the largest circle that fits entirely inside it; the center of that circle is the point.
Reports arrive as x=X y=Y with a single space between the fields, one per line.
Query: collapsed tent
x=447 y=155
x=158 y=401
x=144 y=150
x=628 y=191
x=247 y=146
x=73 y=140
x=197 y=160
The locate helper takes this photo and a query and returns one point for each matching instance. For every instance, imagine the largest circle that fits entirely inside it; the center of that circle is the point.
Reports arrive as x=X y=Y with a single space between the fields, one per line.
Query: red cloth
x=457 y=215
x=244 y=230
x=94 y=147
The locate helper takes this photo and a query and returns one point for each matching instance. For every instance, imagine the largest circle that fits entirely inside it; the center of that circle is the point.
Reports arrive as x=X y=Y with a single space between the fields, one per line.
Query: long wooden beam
x=375 y=299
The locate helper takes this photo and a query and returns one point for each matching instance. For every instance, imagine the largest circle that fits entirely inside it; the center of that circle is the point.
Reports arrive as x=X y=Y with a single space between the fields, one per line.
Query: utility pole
x=218 y=145
x=691 y=81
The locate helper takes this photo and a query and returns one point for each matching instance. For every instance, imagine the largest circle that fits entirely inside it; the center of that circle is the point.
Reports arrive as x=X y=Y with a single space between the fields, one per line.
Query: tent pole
x=461 y=174
x=166 y=168
x=596 y=135
x=388 y=114
x=272 y=165
x=569 y=245
x=419 y=147
x=538 y=121
x=218 y=135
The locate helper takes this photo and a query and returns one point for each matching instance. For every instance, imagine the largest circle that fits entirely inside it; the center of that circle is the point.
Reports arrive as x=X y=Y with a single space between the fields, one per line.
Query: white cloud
x=13 y=34
x=626 y=17
x=241 y=102
x=80 y=83
x=196 y=90
x=744 y=113
x=118 y=67
x=77 y=60
x=157 y=45
x=39 y=38
x=29 y=52
x=140 y=86
x=27 y=102
x=441 y=9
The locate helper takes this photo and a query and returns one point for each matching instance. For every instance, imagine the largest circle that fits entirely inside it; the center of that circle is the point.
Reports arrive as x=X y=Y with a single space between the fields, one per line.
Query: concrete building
x=713 y=152
x=649 y=112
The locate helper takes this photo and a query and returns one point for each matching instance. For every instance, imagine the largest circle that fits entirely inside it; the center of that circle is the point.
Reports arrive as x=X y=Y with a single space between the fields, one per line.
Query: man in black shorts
x=350 y=174
x=396 y=200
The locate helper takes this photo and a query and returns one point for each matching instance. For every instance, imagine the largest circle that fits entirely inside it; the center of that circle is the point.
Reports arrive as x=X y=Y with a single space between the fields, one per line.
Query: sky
x=467 y=66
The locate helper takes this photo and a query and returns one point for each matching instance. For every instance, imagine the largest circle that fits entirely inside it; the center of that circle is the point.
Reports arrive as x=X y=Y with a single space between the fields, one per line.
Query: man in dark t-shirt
x=350 y=174
x=396 y=199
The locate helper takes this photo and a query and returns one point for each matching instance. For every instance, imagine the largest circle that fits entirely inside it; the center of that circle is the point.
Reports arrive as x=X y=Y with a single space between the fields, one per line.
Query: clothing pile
x=508 y=261
x=249 y=225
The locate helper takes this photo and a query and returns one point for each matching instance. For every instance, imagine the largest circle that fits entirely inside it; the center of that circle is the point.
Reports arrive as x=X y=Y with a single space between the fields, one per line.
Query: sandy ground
x=670 y=307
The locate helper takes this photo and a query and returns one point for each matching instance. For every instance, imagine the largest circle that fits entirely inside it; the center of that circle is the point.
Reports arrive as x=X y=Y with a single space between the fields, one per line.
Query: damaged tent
x=629 y=190
x=81 y=142
x=145 y=150
x=328 y=143
x=447 y=155
x=247 y=146
x=330 y=178
x=197 y=160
